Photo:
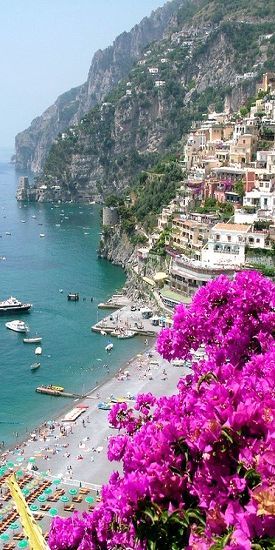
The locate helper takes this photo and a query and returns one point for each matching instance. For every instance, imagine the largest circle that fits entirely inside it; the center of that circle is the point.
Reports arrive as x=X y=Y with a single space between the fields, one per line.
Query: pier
x=57 y=393
x=123 y=319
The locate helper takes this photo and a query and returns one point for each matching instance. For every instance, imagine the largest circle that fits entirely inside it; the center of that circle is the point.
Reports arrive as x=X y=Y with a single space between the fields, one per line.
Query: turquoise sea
x=35 y=270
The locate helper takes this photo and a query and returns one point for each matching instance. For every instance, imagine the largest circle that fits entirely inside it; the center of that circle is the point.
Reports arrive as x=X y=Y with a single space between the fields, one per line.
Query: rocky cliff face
x=108 y=67
x=200 y=63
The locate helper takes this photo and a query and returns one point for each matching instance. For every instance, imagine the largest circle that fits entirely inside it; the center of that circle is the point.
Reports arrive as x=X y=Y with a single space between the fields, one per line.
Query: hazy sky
x=46 y=48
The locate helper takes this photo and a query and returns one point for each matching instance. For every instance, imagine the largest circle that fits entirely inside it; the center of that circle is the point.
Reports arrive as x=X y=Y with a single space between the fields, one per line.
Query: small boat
x=23 y=221
x=34 y=340
x=61 y=290
x=42 y=235
x=38 y=350
x=17 y=326
x=8 y=233
x=73 y=296
x=34 y=216
x=103 y=333
x=104 y=406
x=126 y=334
x=109 y=347
x=35 y=366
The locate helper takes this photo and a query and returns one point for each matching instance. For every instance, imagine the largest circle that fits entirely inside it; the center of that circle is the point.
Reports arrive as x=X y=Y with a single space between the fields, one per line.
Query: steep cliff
x=213 y=54
x=108 y=67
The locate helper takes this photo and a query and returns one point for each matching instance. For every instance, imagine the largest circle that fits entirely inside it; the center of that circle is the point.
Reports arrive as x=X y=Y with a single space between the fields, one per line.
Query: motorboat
x=38 y=350
x=34 y=340
x=35 y=366
x=17 y=326
x=73 y=297
x=103 y=333
x=126 y=334
x=109 y=347
x=11 y=305
x=42 y=235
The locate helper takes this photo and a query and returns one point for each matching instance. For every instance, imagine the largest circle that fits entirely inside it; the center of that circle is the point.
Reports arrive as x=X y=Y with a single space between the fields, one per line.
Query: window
x=218 y=237
x=257 y=240
x=229 y=238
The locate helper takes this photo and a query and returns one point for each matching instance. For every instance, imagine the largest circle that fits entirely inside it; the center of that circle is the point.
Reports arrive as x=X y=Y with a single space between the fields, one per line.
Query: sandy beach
x=77 y=451
x=62 y=464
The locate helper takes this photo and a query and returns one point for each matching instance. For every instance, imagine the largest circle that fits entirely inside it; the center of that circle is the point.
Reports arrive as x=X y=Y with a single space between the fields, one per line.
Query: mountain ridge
x=107 y=68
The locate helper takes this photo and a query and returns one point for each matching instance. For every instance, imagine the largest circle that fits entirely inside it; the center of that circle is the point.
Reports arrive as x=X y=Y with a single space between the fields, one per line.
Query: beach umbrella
x=3 y=470
x=20 y=459
x=53 y=511
x=32 y=459
x=63 y=498
x=57 y=481
x=19 y=473
x=73 y=491
x=89 y=500
x=42 y=498
x=10 y=464
x=14 y=526
x=48 y=491
x=4 y=537
x=23 y=543
x=25 y=491
x=34 y=507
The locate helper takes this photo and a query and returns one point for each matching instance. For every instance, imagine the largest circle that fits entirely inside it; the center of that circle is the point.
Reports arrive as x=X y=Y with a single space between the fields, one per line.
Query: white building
x=153 y=70
x=226 y=245
x=159 y=83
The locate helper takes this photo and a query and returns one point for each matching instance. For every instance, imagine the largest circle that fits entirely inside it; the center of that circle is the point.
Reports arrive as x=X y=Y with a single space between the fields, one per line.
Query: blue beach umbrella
x=42 y=498
x=14 y=526
x=23 y=544
x=4 y=537
x=53 y=511
x=73 y=491
x=89 y=500
x=34 y=507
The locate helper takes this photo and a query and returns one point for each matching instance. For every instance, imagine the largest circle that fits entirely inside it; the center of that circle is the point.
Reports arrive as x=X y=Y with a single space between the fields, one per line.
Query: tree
x=198 y=466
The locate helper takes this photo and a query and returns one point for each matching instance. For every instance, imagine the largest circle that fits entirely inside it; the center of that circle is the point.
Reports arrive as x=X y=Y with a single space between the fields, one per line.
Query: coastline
x=59 y=454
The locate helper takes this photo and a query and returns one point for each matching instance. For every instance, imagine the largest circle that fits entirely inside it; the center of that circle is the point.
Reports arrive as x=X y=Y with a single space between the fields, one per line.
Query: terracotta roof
x=232 y=227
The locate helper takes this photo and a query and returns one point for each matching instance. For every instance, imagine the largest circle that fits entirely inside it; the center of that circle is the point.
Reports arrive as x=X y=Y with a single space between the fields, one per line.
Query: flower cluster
x=198 y=466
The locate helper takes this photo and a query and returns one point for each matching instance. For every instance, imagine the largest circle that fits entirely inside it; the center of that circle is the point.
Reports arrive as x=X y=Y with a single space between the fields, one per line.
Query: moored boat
x=34 y=340
x=38 y=350
x=73 y=297
x=126 y=334
x=17 y=326
x=35 y=366
x=12 y=305
x=109 y=347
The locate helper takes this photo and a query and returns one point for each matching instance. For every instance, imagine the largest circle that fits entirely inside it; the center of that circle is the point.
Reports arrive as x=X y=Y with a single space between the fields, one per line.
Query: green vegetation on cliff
x=175 y=82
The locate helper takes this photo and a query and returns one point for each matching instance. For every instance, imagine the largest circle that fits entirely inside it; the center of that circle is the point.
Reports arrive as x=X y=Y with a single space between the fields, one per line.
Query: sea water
x=36 y=269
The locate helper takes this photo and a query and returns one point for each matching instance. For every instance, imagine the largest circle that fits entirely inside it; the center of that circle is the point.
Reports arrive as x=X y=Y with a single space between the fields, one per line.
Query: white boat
x=42 y=235
x=103 y=333
x=17 y=326
x=109 y=347
x=34 y=340
x=126 y=334
x=35 y=366
x=12 y=304
x=38 y=350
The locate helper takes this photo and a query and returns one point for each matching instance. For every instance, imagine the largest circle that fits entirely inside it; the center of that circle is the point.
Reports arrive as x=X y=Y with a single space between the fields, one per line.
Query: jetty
x=126 y=318
x=57 y=393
